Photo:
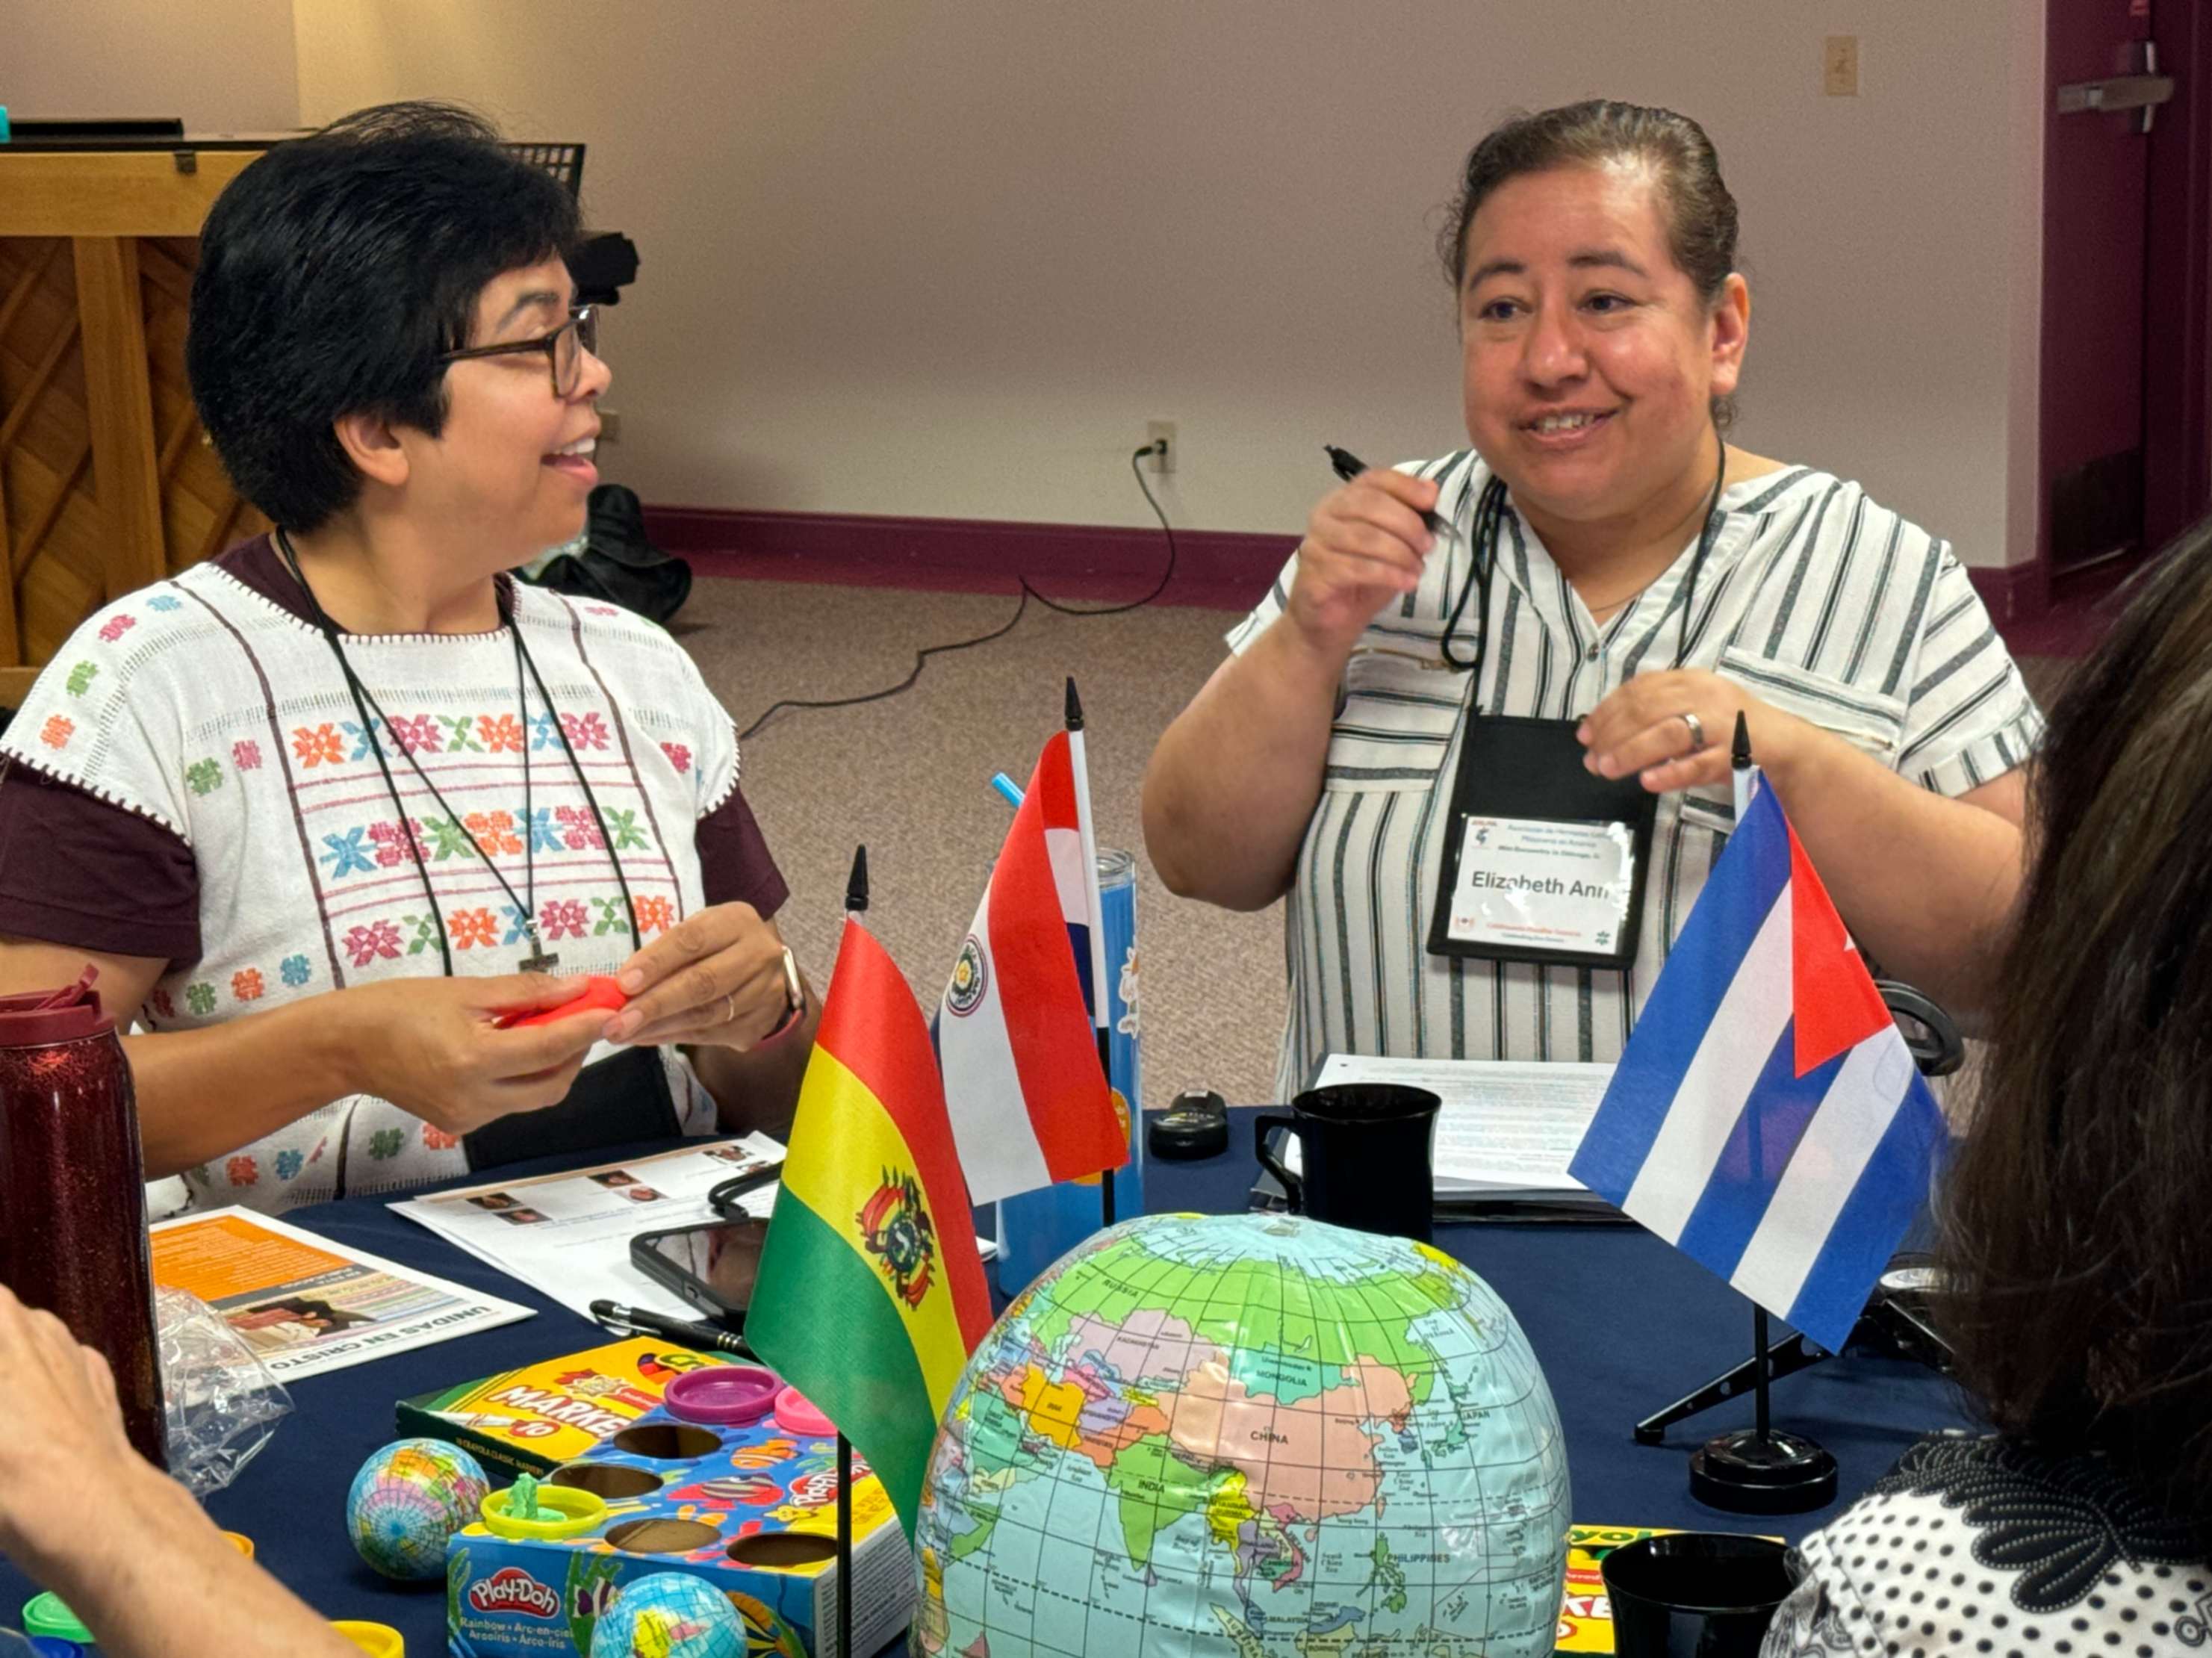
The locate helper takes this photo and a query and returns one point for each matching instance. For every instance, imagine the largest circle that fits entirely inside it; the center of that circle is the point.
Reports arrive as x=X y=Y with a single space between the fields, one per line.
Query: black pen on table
x=1349 y=467
x=704 y=1337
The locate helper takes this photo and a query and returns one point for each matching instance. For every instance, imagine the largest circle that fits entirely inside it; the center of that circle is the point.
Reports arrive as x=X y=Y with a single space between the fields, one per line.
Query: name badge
x=1545 y=861
x=1543 y=885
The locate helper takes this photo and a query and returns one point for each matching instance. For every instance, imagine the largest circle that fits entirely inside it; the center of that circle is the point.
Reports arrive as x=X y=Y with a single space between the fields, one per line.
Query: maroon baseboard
x=1216 y=568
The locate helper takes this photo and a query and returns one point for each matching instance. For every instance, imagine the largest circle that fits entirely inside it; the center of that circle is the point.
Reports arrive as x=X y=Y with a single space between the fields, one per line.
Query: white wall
x=947 y=257
x=222 y=65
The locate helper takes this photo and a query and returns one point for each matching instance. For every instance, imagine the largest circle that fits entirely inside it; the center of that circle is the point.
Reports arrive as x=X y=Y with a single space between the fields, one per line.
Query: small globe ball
x=408 y=1501
x=669 y=1615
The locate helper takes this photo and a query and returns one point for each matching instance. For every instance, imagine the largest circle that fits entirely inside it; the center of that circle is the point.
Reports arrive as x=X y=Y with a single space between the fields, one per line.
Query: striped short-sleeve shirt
x=1816 y=599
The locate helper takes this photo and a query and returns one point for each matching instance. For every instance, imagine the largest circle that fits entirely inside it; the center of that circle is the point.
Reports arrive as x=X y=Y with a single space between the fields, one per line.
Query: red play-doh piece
x=602 y=995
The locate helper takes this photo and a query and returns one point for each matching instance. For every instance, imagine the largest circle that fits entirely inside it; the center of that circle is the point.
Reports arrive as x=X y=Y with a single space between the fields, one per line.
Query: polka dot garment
x=1979 y=1546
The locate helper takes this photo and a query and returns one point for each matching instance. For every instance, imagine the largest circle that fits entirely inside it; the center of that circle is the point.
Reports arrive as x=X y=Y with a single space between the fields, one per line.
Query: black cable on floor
x=1028 y=593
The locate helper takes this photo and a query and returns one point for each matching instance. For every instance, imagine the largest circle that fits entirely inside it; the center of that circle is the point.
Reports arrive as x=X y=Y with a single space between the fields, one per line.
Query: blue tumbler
x=1037 y=1228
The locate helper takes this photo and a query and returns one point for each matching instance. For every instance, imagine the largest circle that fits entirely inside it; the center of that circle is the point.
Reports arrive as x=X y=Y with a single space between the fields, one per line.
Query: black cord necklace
x=524 y=905
x=1489 y=518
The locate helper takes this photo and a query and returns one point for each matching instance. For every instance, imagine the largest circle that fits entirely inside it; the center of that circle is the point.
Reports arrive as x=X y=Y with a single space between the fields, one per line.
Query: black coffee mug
x=1697 y=1595
x=1365 y=1152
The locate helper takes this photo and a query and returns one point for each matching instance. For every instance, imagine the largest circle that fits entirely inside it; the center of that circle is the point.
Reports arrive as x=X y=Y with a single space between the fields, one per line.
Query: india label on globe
x=1244 y=1435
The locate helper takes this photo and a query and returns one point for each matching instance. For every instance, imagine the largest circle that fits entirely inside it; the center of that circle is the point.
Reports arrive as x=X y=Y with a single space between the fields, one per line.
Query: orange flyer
x=305 y=1304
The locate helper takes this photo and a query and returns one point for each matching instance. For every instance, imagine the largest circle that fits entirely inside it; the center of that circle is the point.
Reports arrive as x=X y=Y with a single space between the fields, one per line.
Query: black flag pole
x=844 y=1547
x=856 y=885
x=1741 y=774
x=856 y=904
x=1097 y=991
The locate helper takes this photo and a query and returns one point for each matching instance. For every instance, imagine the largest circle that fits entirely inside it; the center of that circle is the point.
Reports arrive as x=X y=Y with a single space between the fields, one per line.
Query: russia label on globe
x=1244 y=1435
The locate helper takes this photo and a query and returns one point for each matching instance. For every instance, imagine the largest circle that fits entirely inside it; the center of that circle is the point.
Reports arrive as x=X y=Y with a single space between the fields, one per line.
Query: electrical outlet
x=1162 y=432
x=1839 y=66
x=610 y=426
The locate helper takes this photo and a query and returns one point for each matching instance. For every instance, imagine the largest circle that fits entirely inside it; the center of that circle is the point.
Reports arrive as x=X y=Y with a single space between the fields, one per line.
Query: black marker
x=704 y=1338
x=1349 y=467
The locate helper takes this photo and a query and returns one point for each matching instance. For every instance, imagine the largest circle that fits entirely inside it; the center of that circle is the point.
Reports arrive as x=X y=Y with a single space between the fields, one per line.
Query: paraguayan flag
x=1766 y=1118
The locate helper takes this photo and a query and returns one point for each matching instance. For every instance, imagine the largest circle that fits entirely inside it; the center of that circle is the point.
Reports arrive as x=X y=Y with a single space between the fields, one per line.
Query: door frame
x=2177 y=280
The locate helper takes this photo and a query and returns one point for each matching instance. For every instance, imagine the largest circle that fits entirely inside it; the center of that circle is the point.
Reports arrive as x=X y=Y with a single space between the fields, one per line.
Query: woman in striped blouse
x=1649 y=582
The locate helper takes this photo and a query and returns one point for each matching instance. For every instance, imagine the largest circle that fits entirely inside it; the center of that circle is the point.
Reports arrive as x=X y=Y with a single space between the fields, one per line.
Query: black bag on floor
x=619 y=565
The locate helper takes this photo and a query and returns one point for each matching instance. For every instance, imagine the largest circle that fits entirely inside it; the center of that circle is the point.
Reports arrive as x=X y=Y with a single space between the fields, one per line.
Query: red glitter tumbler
x=72 y=1190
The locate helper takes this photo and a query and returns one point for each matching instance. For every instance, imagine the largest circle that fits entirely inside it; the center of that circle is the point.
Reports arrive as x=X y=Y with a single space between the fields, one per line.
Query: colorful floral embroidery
x=245 y=755
x=543 y=837
x=163 y=1005
x=678 y=756
x=164 y=602
x=601 y=609
x=518 y=924
x=493 y=832
x=205 y=776
x=80 y=678
x=321 y=1146
x=246 y=984
x=655 y=913
x=562 y=918
x=544 y=733
x=241 y=1171
x=416 y=735
x=294 y=970
x=502 y=735
x=437 y=1139
x=471 y=927
x=318 y=746
x=55 y=733
x=462 y=729
x=116 y=626
x=449 y=840
x=584 y=731
x=366 y=944
x=357 y=736
x=580 y=832
x=623 y=826
x=397 y=841
x=426 y=933
x=613 y=916
x=199 y=998
x=288 y=1164
x=385 y=1142
x=347 y=856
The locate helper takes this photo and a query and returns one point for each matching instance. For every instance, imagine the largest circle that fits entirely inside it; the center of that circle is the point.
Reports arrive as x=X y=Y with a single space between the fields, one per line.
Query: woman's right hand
x=433 y=1046
x=1365 y=545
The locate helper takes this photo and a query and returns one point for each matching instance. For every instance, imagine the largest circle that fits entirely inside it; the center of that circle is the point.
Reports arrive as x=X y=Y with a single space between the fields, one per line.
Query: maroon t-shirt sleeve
x=79 y=870
x=734 y=865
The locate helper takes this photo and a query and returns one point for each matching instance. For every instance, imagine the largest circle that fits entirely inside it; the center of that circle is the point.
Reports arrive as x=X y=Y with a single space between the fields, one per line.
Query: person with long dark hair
x=2075 y=1251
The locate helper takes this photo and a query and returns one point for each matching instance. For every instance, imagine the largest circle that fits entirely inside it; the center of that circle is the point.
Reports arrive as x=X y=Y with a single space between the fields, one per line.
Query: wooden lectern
x=105 y=480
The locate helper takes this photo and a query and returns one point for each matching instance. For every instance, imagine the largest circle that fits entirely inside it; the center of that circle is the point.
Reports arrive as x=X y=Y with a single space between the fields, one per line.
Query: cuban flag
x=1015 y=1037
x=1766 y=1118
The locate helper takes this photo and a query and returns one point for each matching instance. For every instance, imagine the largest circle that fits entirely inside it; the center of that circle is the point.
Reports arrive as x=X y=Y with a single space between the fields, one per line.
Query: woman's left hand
x=1674 y=730
x=716 y=979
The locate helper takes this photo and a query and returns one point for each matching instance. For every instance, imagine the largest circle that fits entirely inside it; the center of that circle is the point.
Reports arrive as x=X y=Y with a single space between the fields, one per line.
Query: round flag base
x=1750 y=1472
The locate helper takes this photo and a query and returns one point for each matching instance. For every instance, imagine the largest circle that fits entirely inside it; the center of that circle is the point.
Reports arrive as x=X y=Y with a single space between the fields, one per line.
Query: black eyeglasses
x=563 y=348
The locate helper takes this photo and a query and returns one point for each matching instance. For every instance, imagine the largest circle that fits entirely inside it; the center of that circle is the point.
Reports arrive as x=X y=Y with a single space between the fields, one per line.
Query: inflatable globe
x=408 y=1500
x=669 y=1615
x=1213 y=1437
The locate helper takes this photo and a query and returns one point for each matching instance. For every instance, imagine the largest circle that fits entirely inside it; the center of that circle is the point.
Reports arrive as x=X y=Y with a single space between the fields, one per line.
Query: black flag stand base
x=844 y=1547
x=1762 y=1469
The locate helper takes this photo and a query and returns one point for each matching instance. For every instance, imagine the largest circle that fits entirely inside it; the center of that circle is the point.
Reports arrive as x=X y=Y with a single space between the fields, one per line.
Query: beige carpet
x=910 y=777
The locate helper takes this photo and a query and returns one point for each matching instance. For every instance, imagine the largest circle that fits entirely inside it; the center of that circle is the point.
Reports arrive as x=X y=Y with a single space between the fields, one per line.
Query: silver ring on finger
x=730 y=1008
x=1697 y=730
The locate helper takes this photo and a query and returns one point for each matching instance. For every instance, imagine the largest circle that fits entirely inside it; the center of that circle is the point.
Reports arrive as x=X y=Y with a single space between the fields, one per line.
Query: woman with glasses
x=334 y=810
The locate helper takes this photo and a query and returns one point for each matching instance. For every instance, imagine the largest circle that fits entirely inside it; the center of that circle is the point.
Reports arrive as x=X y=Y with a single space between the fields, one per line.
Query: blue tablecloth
x=1622 y=1324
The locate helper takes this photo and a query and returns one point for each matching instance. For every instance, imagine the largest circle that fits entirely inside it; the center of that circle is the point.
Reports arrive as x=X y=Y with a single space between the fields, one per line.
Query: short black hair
x=335 y=272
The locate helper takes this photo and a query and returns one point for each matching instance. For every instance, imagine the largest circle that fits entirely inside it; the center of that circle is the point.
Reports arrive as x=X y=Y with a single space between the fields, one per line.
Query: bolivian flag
x=869 y=1295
